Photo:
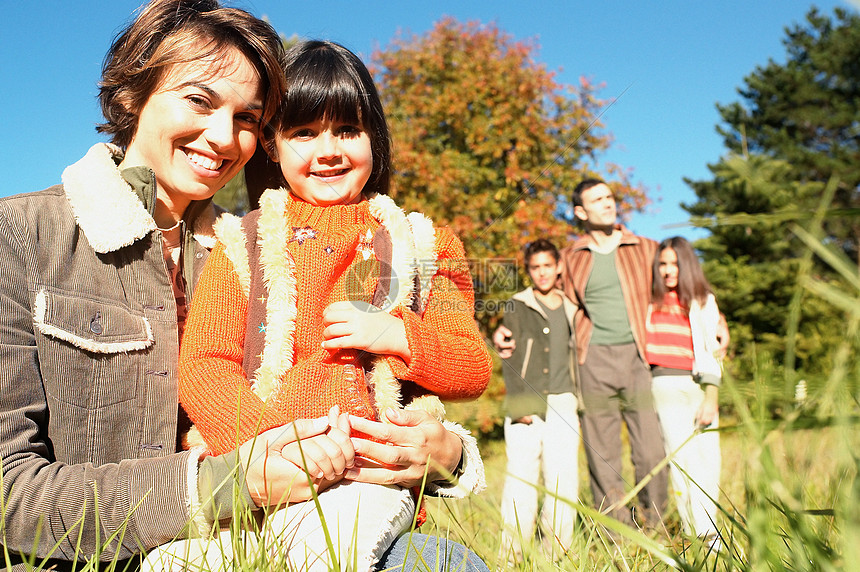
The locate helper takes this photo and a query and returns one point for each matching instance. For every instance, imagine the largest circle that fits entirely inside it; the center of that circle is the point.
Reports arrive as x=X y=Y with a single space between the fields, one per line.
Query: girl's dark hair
x=692 y=284
x=324 y=79
x=170 y=32
x=539 y=245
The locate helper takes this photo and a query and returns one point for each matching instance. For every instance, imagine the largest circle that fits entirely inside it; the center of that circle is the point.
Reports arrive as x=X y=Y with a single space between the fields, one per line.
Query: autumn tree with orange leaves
x=486 y=140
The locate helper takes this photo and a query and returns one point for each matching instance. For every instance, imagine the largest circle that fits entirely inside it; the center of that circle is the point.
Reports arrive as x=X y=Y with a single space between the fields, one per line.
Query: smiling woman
x=93 y=294
x=197 y=130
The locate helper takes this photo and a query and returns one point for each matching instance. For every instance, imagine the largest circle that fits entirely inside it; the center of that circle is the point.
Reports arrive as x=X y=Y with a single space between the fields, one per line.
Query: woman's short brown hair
x=170 y=32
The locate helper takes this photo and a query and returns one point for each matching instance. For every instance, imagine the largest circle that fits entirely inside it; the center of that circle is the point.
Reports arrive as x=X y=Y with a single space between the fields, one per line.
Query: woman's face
x=669 y=267
x=199 y=128
x=325 y=162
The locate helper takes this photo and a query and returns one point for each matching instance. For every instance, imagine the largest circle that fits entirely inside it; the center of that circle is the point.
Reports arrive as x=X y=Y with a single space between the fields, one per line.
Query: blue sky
x=673 y=61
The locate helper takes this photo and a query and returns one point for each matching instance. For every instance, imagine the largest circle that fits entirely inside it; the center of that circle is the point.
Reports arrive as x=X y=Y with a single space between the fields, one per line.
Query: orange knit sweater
x=333 y=260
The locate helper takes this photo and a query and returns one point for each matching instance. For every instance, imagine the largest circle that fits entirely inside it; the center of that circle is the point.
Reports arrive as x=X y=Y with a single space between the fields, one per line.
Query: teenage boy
x=541 y=423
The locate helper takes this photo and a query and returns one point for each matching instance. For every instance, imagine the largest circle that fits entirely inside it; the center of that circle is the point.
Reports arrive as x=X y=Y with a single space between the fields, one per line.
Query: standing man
x=608 y=266
x=607 y=273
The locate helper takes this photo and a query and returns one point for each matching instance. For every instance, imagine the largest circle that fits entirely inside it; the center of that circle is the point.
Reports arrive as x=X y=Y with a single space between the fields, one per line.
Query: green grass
x=790 y=500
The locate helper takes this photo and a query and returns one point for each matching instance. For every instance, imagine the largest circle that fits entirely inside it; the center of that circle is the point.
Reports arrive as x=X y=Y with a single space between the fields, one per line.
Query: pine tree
x=796 y=129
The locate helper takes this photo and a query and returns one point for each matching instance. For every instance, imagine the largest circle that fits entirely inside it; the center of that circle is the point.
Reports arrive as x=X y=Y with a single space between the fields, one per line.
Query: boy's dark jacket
x=526 y=372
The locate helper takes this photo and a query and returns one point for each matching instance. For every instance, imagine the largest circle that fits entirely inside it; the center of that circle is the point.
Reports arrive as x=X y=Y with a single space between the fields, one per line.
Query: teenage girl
x=682 y=349
x=330 y=295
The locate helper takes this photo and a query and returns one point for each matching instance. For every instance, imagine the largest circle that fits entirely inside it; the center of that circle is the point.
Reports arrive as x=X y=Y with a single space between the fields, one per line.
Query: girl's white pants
x=677 y=399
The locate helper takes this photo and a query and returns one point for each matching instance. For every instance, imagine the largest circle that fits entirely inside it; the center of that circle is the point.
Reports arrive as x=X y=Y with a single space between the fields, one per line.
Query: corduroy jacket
x=527 y=371
x=633 y=262
x=88 y=355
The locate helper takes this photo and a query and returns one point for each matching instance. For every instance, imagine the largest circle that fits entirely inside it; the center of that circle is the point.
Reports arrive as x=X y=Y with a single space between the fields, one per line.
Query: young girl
x=329 y=295
x=682 y=349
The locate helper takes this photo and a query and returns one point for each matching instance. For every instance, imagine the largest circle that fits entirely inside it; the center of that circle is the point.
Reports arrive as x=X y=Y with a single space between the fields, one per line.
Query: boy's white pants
x=550 y=446
x=677 y=399
x=363 y=520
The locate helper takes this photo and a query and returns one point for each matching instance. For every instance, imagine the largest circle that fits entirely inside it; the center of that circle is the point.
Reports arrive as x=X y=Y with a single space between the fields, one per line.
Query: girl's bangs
x=332 y=96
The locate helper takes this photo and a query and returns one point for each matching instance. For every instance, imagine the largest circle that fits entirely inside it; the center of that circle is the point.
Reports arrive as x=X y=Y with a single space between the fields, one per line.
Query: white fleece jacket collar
x=105 y=206
x=108 y=210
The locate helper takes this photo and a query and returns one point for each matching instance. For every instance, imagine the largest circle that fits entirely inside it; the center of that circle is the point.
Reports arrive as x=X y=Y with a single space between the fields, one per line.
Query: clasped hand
x=284 y=463
x=411 y=447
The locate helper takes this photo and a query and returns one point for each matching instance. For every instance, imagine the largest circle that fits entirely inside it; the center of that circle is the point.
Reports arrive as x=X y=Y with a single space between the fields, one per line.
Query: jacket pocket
x=89 y=354
x=92 y=325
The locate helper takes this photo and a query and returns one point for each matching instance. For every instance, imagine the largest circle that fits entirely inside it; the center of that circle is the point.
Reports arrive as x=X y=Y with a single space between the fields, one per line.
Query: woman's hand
x=274 y=462
x=414 y=443
x=350 y=325
x=709 y=408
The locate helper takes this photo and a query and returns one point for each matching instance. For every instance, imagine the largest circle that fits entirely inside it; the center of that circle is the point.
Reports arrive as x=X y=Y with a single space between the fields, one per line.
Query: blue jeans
x=418 y=552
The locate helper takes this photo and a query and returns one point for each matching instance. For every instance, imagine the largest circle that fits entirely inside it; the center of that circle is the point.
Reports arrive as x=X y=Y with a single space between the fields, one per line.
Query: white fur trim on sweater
x=229 y=231
x=279 y=276
x=429 y=403
x=106 y=208
x=408 y=245
x=425 y=252
x=386 y=388
x=472 y=478
x=392 y=217
x=40 y=317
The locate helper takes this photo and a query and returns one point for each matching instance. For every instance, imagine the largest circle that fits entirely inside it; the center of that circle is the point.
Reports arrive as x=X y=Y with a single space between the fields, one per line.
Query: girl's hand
x=326 y=456
x=413 y=443
x=360 y=326
x=709 y=408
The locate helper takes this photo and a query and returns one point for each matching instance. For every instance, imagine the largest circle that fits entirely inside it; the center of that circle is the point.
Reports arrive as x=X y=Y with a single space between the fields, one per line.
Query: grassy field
x=790 y=501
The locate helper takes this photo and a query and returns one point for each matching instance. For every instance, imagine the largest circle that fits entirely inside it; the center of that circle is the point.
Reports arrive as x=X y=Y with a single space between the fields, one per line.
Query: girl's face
x=199 y=128
x=669 y=267
x=325 y=162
